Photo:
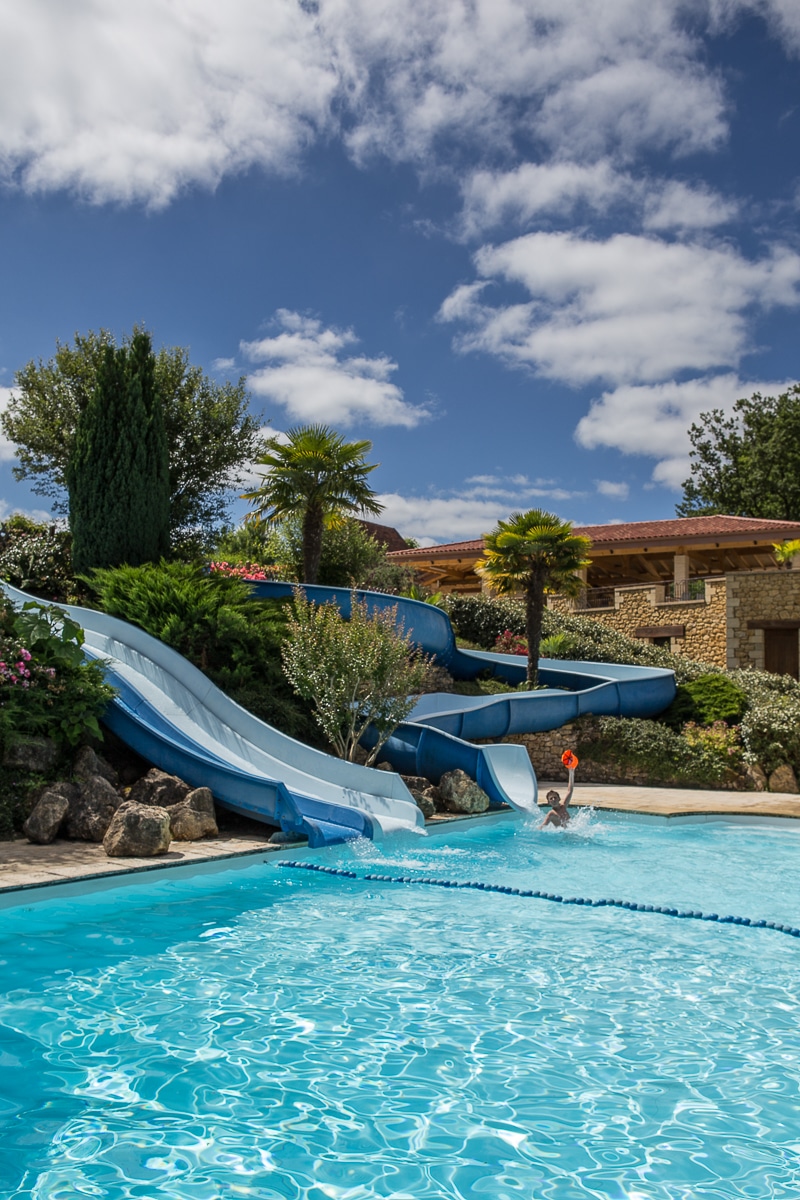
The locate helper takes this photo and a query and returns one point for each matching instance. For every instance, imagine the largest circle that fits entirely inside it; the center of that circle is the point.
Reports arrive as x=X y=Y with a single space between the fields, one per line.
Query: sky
x=520 y=245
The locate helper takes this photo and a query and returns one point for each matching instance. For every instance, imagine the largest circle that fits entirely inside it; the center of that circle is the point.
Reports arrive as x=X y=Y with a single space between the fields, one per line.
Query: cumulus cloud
x=309 y=371
x=654 y=420
x=533 y=190
x=132 y=103
x=628 y=309
x=616 y=491
x=7 y=448
x=468 y=512
x=679 y=206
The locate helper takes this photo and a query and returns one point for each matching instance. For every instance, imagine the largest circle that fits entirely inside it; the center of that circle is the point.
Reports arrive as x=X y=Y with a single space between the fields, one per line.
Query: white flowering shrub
x=354 y=673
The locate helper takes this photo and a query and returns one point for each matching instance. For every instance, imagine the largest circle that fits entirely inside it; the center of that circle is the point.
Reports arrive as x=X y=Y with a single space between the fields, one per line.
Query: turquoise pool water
x=273 y=1033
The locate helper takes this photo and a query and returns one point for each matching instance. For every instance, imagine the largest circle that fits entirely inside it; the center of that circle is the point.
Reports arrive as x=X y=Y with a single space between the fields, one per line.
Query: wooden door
x=781 y=651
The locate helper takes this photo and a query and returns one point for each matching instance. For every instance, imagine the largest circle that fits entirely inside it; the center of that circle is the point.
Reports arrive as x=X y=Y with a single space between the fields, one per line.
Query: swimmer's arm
x=550 y=819
x=568 y=796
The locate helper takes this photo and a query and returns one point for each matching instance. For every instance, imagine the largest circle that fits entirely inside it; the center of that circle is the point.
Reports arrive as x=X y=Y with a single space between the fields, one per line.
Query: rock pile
x=135 y=822
x=455 y=793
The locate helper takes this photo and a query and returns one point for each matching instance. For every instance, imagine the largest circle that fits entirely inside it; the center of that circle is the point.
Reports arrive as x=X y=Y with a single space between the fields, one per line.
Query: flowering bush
x=719 y=739
x=46 y=687
x=36 y=558
x=243 y=570
x=510 y=643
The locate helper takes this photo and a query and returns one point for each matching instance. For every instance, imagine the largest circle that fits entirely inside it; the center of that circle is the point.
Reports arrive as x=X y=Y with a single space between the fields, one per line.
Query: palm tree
x=313 y=472
x=536 y=552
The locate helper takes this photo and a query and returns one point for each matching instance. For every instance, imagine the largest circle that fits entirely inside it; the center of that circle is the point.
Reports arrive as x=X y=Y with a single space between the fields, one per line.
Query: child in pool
x=559 y=811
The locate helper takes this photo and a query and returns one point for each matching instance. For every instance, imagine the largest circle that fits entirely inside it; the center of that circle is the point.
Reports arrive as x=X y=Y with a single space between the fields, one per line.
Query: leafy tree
x=210 y=434
x=118 y=475
x=747 y=464
x=357 y=673
x=534 y=552
x=317 y=475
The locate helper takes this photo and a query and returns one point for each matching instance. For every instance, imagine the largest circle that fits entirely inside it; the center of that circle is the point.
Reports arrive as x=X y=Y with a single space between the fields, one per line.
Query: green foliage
x=357 y=673
x=786 y=552
x=117 y=476
x=747 y=464
x=314 y=474
x=481 y=620
x=709 y=698
x=211 y=621
x=210 y=435
x=46 y=687
x=703 y=759
x=36 y=558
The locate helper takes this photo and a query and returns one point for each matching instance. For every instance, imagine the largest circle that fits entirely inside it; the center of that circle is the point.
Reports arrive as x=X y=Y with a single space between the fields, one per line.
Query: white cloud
x=309 y=373
x=34 y=514
x=7 y=448
x=441 y=518
x=628 y=309
x=536 y=189
x=133 y=103
x=678 y=206
x=654 y=421
x=617 y=491
x=223 y=364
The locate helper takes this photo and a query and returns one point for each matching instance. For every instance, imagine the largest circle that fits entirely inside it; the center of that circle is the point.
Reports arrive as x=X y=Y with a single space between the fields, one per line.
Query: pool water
x=276 y=1033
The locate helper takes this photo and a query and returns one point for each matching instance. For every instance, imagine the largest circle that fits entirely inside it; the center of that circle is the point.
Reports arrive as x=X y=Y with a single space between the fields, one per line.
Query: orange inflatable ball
x=569 y=760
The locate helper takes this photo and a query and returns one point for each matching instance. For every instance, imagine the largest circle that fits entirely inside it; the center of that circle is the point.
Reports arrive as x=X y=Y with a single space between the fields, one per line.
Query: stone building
x=706 y=587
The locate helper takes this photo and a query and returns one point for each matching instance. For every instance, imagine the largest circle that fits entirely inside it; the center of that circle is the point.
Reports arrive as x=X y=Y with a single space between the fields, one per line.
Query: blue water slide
x=430 y=742
x=171 y=714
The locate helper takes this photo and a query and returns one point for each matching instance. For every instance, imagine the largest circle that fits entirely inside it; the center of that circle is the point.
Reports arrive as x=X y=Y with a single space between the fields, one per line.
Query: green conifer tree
x=118 y=476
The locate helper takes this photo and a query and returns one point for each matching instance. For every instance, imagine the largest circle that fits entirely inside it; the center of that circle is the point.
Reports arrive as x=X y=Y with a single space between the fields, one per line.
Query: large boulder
x=460 y=794
x=38 y=754
x=90 y=811
x=138 y=831
x=87 y=763
x=426 y=794
x=756 y=778
x=159 y=789
x=783 y=779
x=194 y=817
x=48 y=814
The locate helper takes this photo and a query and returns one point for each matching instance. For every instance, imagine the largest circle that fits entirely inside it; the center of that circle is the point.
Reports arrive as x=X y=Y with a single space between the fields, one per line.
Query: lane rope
x=552 y=897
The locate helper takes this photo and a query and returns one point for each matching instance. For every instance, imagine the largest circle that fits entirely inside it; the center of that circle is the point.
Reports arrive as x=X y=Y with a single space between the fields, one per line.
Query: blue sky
x=518 y=244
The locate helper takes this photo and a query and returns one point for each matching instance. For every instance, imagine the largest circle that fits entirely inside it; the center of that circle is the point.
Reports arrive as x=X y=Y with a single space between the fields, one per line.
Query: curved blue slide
x=429 y=742
x=172 y=715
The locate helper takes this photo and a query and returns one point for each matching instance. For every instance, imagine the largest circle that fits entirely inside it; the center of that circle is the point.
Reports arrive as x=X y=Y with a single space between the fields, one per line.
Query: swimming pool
x=279 y=1033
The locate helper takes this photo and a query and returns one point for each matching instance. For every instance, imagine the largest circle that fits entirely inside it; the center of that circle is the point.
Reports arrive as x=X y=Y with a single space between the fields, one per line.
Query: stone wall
x=545 y=750
x=757 y=596
x=640 y=607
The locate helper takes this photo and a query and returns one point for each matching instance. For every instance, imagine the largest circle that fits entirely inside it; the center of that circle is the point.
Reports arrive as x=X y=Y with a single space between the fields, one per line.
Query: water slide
x=172 y=715
x=430 y=741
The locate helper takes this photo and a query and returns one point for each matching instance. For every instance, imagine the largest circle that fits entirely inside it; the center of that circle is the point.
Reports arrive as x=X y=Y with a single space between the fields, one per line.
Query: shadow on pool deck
x=23 y=865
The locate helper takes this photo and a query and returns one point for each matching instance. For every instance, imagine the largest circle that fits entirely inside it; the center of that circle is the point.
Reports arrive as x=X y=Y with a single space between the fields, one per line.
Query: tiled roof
x=387 y=535
x=688 y=527
x=675 y=529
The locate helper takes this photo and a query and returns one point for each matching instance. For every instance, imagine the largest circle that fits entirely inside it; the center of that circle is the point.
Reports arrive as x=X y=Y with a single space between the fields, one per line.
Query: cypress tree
x=118 y=475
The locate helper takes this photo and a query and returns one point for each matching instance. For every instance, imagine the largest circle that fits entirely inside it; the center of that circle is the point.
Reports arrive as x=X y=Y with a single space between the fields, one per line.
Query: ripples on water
x=285 y=1034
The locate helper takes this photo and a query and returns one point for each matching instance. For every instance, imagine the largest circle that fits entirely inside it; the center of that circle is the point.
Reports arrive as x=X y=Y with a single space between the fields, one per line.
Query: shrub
x=36 y=558
x=46 y=687
x=705 y=757
x=212 y=621
x=481 y=620
x=771 y=730
x=510 y=643
x=357 y=673
x=705 y=700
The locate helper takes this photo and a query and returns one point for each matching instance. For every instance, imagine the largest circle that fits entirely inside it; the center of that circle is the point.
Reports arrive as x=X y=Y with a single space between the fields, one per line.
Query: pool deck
x=24 y=866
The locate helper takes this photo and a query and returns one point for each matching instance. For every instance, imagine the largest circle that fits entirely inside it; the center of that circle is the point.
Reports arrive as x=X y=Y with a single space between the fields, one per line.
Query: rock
x=279 y=838
x=756 y=777
x=194 y=817
x=90 y=811
x=38 y=754
x=45 y=820
x=159 y=789
x=425 y=793
x=384 y=766
x=783 y=779
x=138 y=831
x=460 y=794
x=87 y=762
